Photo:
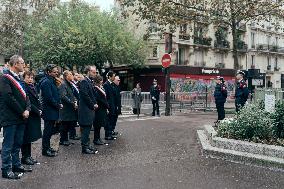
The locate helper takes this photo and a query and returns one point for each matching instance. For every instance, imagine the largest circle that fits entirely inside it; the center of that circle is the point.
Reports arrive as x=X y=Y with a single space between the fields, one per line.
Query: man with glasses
x=15 y=108
x=51 y=105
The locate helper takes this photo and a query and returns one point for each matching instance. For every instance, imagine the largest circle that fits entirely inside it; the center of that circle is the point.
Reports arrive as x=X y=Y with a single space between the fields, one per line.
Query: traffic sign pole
x=166 y=61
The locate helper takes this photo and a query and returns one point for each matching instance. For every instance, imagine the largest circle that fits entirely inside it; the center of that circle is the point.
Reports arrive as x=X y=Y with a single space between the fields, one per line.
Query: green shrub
x=278 y=116
x=253 y=123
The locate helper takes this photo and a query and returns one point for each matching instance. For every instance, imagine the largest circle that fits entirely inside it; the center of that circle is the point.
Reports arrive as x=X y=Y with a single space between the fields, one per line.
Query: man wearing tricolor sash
x=14 y=111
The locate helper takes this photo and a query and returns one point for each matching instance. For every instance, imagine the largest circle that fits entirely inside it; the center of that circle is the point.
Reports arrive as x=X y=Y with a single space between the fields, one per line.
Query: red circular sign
x=166 y=60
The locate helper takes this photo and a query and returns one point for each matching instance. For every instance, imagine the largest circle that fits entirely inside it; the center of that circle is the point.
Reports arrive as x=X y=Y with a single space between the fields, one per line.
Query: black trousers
x=110 y=125
x=65 y=127
x=85 y=135
x=72 y=129
x=220 y=110
x=155 y=107
x=48 y=131
x=26 y=150
x=239 y=104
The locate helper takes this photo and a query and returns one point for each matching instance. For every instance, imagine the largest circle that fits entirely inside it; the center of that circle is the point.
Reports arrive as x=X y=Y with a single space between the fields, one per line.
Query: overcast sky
x=104 y=4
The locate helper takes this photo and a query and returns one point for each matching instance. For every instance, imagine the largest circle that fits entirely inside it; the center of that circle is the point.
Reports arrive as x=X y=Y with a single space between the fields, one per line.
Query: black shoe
x=33 y=160
x=114 y=134
x=10 y=175
x=76 y=137
x=110 y=138
x=98 y=142
x=48 y=153
x=65 y=143
x=87 y=151
x=27 y=161
x=153 y=114
x=52 y=150
x=22 y=169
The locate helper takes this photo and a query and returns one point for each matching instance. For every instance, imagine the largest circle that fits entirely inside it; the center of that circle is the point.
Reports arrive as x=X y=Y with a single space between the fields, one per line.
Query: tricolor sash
x=16 y=84
x=102 y=91
x=75 y=87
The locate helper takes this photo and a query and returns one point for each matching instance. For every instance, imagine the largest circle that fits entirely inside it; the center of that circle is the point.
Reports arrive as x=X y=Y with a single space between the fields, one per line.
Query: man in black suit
x=87 y=107
x=15 y=108
x=51 y=104
x=68 y=114
x=117 y=103
x=155 y=96
x=109 y=88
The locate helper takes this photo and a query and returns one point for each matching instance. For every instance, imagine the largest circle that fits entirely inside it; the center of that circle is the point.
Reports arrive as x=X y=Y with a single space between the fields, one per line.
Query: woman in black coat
x=33 y=125
x=102 y=111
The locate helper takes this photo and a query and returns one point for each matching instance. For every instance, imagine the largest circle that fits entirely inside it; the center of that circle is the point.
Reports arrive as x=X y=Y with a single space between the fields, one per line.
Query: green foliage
x=77 y=34
x=278 y=116
x=252 y=123
x=13 y=17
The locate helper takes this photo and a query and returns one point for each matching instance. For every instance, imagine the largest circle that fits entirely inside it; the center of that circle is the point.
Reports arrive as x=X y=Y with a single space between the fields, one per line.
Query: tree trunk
x=235 y=45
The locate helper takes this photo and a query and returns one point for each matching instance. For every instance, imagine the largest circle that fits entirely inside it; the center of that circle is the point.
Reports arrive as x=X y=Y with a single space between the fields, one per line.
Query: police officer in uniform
x=242 y=92
x=220 y=95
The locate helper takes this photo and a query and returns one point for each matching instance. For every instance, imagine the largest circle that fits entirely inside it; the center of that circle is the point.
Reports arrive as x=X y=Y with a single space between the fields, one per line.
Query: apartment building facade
x=202 y=50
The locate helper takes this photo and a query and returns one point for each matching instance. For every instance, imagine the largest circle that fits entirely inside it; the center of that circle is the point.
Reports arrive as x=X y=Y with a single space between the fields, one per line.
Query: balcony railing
x=202 y=40
x=222 y=44
x=220 y=65
x=184 y=37
x=242 y=46
x=200 y=64
x=242 y=27
x=276 y=69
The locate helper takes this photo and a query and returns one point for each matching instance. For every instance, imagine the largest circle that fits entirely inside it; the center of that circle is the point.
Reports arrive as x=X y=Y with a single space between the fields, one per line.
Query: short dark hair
x=88 y=68
x=28 y=73
x=50 y=67
x=110 y=74
x=97 y=79
x=14 y=60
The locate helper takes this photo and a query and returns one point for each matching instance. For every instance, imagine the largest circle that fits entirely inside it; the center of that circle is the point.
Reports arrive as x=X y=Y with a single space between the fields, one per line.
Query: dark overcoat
x=50 y=99
x=12 y=102
x=33 y=125
x=220 y=93
x=155 y=92
x=117 y=98
x=87 y=100
x=110 y=95
x=101 y=112
x=68 y=112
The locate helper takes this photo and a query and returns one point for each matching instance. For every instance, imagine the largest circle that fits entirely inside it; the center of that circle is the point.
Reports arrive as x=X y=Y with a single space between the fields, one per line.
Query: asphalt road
x=159 y=153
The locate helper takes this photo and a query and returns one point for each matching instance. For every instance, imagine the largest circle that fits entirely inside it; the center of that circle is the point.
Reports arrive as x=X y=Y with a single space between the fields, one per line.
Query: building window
x=183 y=28
x=181 y=56
x=252 y=40
x=268 y=63
x=268 y=40
x=153 y=27
x=276 y=64
x=155 y=52
x=252 y=60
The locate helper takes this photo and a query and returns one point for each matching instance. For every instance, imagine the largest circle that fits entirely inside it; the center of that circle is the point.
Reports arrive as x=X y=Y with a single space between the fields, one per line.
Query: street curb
x=239 y=151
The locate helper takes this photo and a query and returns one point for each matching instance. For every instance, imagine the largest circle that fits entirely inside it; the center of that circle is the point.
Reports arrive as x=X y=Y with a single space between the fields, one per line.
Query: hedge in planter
x=253 y=123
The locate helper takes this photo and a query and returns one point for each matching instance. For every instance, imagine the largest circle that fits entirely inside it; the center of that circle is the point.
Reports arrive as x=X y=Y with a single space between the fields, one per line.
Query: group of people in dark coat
x=61 y=103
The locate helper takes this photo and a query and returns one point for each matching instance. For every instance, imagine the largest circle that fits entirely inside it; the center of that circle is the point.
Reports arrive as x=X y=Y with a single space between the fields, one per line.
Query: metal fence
x=259 y=94
x=180 y=101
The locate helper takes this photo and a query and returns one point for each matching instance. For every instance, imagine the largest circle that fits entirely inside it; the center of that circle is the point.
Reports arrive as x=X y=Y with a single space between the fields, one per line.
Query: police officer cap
x=220 y=78
x=241 y=72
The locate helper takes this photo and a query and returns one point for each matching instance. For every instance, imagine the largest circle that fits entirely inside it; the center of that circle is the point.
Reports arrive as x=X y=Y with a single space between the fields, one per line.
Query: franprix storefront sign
x=201 y=72
x=210 y=71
